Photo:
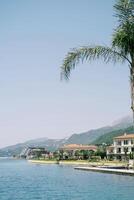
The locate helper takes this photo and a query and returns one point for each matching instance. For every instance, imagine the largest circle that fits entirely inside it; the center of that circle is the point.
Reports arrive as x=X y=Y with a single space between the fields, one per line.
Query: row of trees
x=82 y=154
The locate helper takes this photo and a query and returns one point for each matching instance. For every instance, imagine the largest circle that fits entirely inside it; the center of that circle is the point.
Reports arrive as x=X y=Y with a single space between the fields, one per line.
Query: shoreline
x=109 y=168
x=80 y=163
x=43 y=161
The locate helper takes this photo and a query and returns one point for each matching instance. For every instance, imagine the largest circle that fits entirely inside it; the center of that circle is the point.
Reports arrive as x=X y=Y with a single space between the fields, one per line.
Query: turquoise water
x=21 y=180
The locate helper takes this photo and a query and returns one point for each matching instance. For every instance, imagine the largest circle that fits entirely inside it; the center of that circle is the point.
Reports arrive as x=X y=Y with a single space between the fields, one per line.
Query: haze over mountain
x=123 y=122
x=95 y=136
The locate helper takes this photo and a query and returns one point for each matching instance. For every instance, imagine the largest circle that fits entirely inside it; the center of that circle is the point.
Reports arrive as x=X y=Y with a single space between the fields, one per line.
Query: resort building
x=122 y=148
x=76 y=150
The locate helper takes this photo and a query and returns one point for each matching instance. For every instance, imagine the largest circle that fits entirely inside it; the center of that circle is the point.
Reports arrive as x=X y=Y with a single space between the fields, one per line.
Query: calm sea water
x=20 y=180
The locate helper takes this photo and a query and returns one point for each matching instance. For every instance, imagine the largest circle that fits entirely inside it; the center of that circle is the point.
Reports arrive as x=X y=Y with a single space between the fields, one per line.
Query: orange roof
x=78 y=147
x=125 y=136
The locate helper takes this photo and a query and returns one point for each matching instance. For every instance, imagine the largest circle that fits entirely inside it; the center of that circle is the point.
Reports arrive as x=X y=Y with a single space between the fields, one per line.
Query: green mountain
x=92 y=135
x=88 y=137
x=54 y=144
x=49 y=144
x=96 y=136
x=108 y=137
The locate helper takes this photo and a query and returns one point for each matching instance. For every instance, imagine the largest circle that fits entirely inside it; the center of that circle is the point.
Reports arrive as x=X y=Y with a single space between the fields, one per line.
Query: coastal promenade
x=80 y=163
x=75 y=163
x=107 y=170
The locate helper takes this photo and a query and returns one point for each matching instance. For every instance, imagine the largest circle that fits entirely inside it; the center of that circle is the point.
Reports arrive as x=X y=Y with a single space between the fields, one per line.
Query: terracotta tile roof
x=78 y=147
x=125 y=136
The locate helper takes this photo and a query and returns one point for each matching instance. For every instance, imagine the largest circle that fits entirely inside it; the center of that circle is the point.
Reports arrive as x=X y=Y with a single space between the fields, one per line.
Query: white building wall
x=122 y=150
x=129 y=149
x=129 y=145
x=122 y=143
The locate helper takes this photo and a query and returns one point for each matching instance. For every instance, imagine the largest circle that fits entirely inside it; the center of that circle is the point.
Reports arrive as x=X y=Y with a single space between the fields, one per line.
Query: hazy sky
x=35 y=35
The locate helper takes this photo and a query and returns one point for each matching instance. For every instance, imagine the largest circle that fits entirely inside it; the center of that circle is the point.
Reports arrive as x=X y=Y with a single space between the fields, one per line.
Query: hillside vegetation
x=108 y=137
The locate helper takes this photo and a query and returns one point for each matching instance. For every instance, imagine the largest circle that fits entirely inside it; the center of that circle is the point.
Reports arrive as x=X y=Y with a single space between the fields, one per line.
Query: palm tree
x=121 y=50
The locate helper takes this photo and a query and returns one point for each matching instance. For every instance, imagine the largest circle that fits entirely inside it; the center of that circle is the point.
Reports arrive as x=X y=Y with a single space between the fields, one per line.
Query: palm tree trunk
x=132 y=89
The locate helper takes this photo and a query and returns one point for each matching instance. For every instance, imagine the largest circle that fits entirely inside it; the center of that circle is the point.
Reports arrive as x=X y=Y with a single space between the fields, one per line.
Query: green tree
x=126 y=151
x=77 y=153
x=100 y=152
x=85 y=154
x=121 y=50
x=61 y=152
x=38 y=154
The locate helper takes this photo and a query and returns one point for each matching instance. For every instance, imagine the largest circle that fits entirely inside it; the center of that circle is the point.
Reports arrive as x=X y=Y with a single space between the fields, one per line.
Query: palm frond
x=89 y=53
x=124 y=11
x=123 y=39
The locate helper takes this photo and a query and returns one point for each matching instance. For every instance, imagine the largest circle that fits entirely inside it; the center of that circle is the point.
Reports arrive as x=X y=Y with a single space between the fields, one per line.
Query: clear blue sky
x=35 y=35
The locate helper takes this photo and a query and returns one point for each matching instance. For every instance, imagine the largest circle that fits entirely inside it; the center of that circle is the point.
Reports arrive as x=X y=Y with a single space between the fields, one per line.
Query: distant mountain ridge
x=95 y=136
x=92 y=135
x=49 y=144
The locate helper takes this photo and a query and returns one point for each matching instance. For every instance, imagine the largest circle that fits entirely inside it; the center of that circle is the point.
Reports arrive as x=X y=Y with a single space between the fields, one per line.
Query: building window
x=132 y=149
x=118 y=143
x=125 y=142
x=132 y=141
x=119 y=150
x=125 y=150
